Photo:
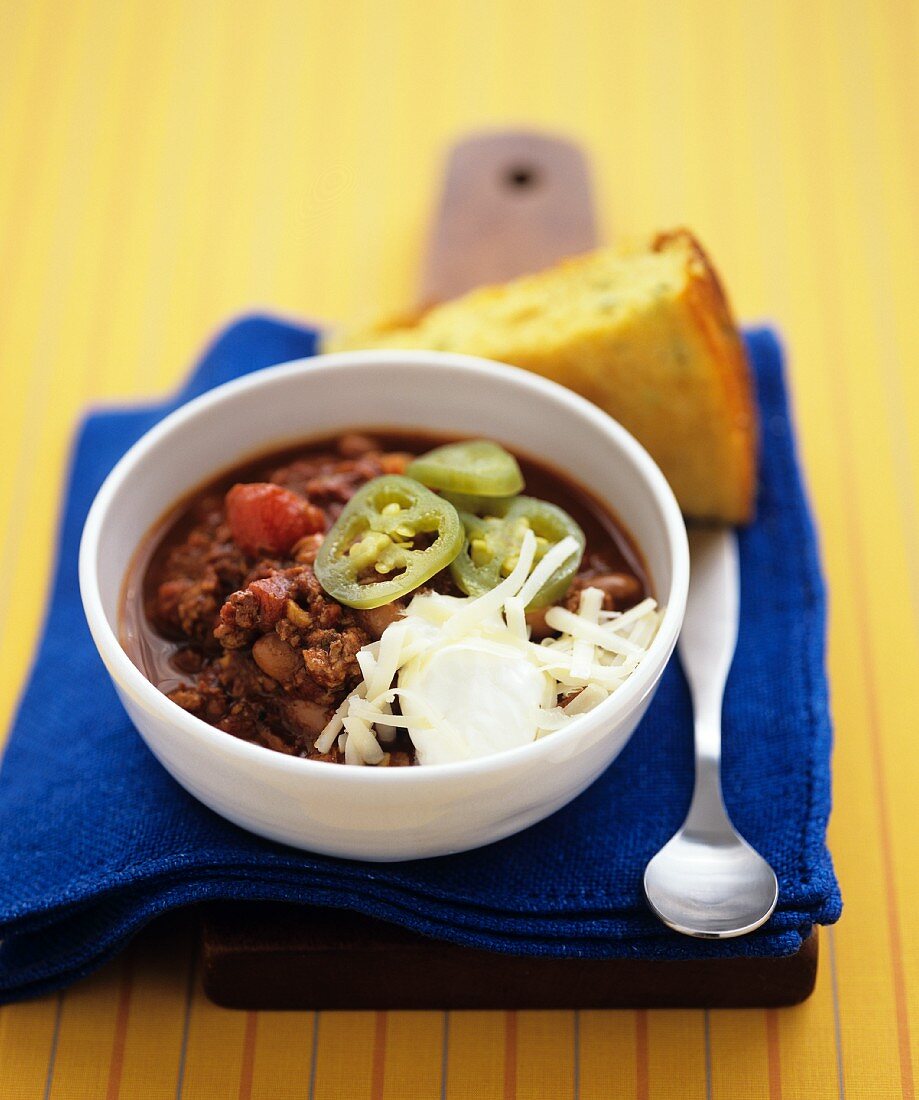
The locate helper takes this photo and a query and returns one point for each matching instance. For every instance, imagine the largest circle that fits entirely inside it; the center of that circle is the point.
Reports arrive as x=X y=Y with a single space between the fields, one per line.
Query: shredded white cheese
x=586 y=700
x=582 y=652
x=469 y=681
x=566 y=621
x=515 y=614
x=554 y=559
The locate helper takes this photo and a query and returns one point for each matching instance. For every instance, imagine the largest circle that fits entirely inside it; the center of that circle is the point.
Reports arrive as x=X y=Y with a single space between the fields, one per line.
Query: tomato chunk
x=268 y=519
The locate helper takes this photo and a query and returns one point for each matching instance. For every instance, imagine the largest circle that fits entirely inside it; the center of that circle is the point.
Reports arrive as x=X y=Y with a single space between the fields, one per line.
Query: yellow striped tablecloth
x=164 y=166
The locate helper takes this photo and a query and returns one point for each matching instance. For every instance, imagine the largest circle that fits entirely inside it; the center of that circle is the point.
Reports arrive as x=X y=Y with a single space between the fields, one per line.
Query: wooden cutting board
x=512 y=202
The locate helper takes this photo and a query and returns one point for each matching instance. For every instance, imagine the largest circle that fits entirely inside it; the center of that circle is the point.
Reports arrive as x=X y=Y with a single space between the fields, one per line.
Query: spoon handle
x=706 y=647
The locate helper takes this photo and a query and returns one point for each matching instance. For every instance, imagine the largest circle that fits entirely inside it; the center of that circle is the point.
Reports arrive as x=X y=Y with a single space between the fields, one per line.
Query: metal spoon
x=707 y=881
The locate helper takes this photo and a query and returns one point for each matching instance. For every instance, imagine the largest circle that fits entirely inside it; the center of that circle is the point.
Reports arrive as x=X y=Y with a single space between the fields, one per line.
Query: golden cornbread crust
x=644 y=332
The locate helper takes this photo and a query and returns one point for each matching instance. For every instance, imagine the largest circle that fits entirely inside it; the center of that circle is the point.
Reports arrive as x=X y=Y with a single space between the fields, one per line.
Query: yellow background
x=165 y=165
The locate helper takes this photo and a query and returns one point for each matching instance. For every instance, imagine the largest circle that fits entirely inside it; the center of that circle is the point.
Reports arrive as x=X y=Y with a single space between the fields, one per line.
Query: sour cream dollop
x=489 y=700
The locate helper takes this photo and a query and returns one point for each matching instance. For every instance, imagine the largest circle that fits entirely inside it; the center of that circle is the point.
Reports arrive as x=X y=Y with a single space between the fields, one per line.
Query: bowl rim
x=610 y=713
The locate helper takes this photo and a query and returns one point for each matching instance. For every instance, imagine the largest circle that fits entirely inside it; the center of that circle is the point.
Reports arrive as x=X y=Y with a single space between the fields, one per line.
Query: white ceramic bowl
x=385 y=813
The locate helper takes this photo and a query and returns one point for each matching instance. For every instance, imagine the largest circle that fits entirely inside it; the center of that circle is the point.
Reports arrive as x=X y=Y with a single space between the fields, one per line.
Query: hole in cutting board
x=521 y=177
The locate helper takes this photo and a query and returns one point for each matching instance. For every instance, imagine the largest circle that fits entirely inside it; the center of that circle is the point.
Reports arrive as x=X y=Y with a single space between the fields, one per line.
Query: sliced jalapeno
x=477 y=505
x=475 y=466
x=391 y=537
x=492 y=545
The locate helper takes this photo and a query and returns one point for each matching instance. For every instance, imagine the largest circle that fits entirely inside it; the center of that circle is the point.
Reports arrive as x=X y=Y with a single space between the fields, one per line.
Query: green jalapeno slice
x=391 y=537
x=478 y=505
x=492 y=545
x=475 y=466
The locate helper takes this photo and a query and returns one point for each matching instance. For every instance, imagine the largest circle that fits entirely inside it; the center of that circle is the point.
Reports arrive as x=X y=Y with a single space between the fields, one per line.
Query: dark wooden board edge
x=264 y=956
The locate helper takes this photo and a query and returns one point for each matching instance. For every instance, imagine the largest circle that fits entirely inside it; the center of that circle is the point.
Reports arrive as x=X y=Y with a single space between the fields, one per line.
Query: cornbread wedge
x=645 y=332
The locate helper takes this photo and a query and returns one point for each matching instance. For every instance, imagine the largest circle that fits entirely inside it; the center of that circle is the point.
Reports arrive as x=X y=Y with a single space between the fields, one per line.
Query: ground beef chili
x=222 y=610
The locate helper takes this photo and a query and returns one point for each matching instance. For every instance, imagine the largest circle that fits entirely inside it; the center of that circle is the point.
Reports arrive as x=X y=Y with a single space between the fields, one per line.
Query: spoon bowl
x=711 y=883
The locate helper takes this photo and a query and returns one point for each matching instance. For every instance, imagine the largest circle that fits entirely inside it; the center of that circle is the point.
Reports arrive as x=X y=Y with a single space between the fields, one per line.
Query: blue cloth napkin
x=97 y=839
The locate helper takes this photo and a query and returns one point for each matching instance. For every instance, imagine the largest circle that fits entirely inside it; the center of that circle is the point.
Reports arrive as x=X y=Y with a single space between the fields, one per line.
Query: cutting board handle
x=512 y=202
